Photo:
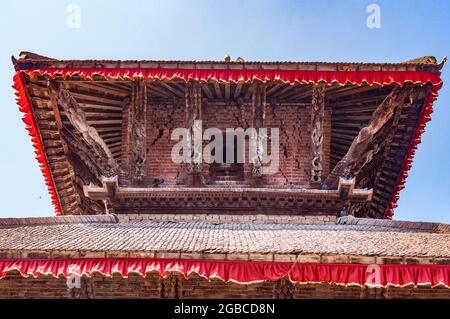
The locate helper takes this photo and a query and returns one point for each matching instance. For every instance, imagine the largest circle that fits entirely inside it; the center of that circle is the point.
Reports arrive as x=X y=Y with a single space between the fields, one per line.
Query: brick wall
x=175 y=286
x=292 y=120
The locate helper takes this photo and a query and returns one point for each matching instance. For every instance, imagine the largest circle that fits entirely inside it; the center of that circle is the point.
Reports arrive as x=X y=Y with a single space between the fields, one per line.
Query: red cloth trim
x=33 y=131
x=291 y=76
x=415 y=141
x=243 y=272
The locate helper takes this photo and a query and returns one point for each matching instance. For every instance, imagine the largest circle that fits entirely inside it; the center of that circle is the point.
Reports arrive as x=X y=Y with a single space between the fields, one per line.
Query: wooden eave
x=102 y=100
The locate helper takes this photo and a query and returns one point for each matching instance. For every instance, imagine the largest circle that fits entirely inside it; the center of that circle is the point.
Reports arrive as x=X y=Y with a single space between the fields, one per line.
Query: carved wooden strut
x=317 y=136
x=83 y=139
x=361 y=150
x=137 y=130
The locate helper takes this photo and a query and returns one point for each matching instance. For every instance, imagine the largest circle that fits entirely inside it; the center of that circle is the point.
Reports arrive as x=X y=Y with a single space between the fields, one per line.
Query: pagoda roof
x=356 y=87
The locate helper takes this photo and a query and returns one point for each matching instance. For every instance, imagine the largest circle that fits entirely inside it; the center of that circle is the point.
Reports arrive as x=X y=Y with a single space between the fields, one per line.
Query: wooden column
x=259 y=115
x=317 y=117
x=193 y=99
x=137 y=131
x=360 y=151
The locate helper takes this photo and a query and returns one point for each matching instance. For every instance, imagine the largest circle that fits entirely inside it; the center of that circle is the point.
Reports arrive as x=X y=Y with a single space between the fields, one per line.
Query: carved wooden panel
x=193 y=100
x=137 y=130
x=259 y=114
x=317 y=135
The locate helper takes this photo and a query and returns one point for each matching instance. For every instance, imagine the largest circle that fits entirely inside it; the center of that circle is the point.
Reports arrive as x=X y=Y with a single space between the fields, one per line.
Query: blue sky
x=254 y=30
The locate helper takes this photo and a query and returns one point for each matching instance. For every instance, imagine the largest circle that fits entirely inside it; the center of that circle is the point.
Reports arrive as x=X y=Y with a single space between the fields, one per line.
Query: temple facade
x=195 y=179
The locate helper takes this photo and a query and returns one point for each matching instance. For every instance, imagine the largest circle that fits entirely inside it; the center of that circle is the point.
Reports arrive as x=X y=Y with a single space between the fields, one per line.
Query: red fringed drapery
x=290 y=76
x=243 y=272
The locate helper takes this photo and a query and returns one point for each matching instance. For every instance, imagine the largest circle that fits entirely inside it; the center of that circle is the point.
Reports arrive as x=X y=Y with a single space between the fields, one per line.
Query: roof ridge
x=25 y=57
x=427 y=227
x=54 y=220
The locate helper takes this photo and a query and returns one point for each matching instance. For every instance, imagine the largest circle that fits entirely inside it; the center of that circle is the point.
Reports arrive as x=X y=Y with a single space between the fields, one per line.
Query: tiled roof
x=350 y=236
x=25 y=58
x=30 y=221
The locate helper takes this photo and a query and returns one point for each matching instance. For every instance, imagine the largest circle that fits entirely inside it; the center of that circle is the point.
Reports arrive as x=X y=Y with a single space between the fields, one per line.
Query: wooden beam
x=275 y=88
x=171 y=89
x=359 y=151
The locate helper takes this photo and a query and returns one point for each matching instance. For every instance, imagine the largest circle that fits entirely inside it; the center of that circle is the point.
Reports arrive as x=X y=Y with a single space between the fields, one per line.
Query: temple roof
x=106 y=236
x=353 y=92
x=29 y=60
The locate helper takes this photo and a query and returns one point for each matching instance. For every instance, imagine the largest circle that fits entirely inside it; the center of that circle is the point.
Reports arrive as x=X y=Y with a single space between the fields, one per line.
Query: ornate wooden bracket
x=360 y=151
x=193 y=98
x=137 y=130
x=317 y=116
x=83 y=139
x=259 y=115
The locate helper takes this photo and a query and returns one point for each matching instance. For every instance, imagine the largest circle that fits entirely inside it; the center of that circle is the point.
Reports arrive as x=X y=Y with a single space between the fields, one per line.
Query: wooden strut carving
x=317 y=116
x=137 y=130
x=361 y=150
x=193 y=98
x=83 y=139
x=259 y=115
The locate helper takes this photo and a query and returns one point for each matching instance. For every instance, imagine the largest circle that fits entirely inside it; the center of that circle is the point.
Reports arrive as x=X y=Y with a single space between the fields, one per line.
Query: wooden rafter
x=172 y=89
x=217 y=89
x=238 y=89
x=227 y=90
x=207 y=91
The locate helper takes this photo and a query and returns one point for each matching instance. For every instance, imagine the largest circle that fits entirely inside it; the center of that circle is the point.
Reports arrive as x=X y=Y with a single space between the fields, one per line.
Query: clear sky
x=254 y=30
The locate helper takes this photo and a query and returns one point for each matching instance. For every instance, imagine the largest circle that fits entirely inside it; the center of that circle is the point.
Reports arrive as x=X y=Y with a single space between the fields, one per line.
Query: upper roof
x=29 y=60
x=105 y=235
x=371 y=83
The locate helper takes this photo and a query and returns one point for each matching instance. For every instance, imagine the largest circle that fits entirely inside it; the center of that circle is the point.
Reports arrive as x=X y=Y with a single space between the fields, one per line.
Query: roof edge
x=427 y=227
x=57 y=220
x=26 y=59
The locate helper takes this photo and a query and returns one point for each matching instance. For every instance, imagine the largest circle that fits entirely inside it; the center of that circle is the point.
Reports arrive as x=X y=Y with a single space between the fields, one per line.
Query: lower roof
x=104 y=235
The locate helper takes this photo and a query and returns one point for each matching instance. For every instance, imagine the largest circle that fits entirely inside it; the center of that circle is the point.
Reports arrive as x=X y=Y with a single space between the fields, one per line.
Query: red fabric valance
x=243 y=272
x=291 y=76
